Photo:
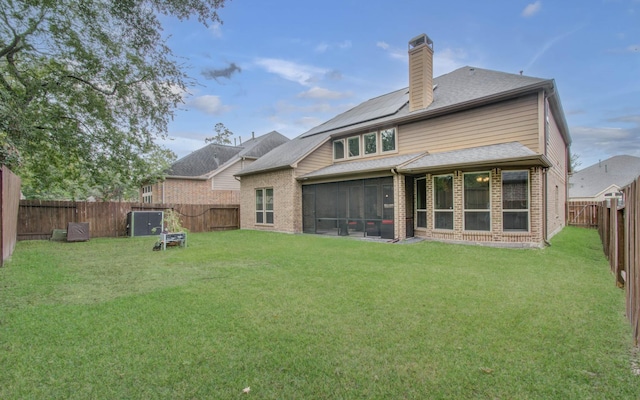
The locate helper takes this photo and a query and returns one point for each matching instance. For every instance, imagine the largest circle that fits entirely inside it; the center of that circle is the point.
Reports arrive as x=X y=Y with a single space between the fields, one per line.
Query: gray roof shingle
x=212 y=156
x=379 y=164
x=493 y=154
x=464 y=87
x=591 y=181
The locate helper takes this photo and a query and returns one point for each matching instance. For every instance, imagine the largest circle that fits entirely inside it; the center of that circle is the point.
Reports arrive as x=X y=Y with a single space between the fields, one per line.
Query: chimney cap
x=420 y=40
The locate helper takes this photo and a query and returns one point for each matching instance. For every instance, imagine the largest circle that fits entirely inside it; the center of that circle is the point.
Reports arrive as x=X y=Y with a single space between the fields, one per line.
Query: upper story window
x=370 y=143
x=365 y=145
x=338 y=149
x=147 y=194
x=353 y=145
x=388 y=139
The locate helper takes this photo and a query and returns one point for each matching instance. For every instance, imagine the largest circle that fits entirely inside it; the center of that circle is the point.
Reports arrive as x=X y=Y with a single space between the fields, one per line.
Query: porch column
x=400 y=209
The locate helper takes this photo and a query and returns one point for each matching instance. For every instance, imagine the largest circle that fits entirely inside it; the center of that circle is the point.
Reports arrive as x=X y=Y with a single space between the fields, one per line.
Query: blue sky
x=290 y=65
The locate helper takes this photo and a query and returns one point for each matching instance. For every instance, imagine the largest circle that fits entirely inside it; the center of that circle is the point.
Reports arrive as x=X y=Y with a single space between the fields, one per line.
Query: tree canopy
x=222 y=136
x=85 y=88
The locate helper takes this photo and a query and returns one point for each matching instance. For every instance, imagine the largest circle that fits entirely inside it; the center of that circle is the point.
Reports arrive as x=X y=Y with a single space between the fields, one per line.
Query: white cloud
x=216 y=29
x=182 y=145
x=532 y=9
x=393 y=52
x=599 y=143
x=305 y=75
x=550 y=43
x=447 y=60
x=324 y=94
x=322 y=47
x=209 y=104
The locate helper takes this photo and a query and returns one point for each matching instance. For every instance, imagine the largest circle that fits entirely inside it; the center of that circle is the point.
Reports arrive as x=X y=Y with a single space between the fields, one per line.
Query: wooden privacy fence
x=37 y=219
x=619 y=228
x=9 y=198
x=582 y=213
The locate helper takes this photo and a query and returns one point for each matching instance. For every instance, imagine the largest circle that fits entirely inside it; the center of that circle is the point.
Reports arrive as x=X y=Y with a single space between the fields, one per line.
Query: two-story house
x=206 y=176
x=474 y=156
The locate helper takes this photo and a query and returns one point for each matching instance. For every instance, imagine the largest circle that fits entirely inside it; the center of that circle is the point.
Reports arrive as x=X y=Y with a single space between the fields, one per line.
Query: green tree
x=222 y=136
x=85 y=88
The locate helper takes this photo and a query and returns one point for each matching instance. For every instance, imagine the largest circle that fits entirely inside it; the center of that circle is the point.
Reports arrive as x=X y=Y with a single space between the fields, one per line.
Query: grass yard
x=305 y=317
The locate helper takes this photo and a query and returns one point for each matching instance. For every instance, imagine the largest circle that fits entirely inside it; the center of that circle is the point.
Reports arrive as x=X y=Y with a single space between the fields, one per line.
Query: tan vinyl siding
x=320 y=158
x=509 y=121
x=420 y=78
x=556 y=178
x=225 y=179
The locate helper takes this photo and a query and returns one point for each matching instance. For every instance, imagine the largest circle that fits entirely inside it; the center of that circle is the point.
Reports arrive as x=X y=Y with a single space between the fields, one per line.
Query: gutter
x=192 y=178
x=540 y=158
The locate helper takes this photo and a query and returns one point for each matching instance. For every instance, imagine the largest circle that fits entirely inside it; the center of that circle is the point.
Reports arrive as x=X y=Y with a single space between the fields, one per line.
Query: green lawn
x=305 y=317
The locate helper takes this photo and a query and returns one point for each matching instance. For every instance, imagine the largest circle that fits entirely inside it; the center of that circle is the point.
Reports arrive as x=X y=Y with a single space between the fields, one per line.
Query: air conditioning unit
x=144 y=223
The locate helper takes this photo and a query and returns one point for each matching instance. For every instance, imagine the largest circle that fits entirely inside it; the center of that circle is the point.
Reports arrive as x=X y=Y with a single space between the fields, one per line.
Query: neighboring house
x=603 y=180
x=474 y=156
x=206 y=175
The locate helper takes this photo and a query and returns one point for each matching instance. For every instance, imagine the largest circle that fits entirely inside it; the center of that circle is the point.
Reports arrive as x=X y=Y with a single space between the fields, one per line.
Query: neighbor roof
x=203 y=161
x=213 y=156
x=463 y=88
x=591 y=181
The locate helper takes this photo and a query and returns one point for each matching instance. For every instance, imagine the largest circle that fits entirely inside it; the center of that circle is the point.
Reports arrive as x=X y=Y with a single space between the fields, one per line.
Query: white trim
x=522 y=210
x=443 y=210
x=479 y=210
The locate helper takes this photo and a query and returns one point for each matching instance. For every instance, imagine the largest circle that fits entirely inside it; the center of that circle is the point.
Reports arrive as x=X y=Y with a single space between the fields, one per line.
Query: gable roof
x=203 y=160
x=593 y=180
x=212 y=157
x=463 y=88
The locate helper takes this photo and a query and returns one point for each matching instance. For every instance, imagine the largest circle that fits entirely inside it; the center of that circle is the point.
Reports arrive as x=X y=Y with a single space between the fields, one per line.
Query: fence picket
x=37 y=219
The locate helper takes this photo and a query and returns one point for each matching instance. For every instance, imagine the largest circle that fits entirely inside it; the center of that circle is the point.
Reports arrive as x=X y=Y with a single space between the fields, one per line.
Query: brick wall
x=287 y=201
x=496 y=234
x=188 y=191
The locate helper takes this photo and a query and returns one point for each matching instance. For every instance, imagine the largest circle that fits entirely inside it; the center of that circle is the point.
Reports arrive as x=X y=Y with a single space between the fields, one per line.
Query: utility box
x=144 y=223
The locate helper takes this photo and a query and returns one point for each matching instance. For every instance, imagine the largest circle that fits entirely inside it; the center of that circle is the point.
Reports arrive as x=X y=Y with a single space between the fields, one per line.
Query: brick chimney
x=420 y=72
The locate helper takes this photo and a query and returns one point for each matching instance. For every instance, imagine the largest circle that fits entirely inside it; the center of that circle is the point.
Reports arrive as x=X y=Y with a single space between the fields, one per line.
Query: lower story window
x=515 y=201
x=421 y=202
x=264 y=206
x=443 y=202
x=477 y=202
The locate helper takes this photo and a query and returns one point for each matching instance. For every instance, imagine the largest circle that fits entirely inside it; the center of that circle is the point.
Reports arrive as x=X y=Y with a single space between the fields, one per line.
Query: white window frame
x=147 y=194
x=519 y=210
x=443 y=210
x=364 y=145
x=344 y=150
x=348 y=147
x=267 y=208
x=426 y=204
x=472 y=210
x=395 y=140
